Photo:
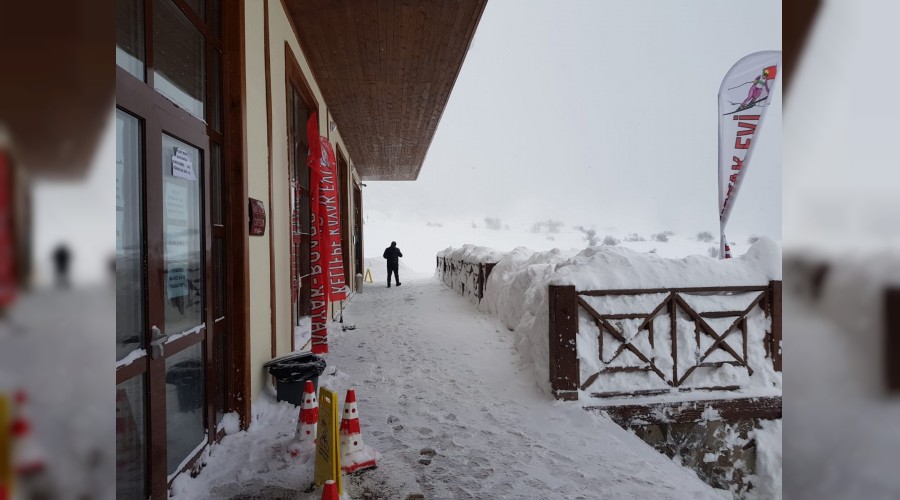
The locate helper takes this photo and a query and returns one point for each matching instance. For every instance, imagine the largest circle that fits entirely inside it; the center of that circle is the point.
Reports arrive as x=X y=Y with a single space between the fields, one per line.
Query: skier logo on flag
x=755 y=95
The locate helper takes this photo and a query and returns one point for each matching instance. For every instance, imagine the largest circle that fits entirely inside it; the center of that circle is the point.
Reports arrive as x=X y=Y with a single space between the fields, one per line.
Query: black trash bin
x=187 y=377
x=291 y=373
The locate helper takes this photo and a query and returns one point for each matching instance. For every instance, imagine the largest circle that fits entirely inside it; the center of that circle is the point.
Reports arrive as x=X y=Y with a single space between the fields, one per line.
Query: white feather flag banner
x=744 y=97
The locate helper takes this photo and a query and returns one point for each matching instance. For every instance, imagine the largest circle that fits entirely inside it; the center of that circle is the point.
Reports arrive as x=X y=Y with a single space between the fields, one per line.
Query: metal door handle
x=157 y=342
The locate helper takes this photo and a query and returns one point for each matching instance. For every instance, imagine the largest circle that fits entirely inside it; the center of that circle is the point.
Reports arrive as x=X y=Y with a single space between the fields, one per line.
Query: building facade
x=213 y=99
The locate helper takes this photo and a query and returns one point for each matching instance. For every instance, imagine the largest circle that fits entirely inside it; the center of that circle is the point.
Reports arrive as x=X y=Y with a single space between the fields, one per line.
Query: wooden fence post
x=892 y=338
x=775 y=348
x=564 y=370
x=480 y=281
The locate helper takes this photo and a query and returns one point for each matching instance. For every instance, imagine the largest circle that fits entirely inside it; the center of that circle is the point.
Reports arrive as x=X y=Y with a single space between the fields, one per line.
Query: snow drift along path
x=455 y=413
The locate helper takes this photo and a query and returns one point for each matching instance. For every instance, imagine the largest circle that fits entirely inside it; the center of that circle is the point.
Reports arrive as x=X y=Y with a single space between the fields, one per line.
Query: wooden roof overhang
x=386 y=69
x=57 y=89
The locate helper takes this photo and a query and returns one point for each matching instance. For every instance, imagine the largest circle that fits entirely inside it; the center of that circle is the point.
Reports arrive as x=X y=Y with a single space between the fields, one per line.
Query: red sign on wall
x=257 y=218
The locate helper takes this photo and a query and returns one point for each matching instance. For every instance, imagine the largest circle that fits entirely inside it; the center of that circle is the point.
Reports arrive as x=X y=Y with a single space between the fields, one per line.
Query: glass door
x=131 y=354
x=183 y=299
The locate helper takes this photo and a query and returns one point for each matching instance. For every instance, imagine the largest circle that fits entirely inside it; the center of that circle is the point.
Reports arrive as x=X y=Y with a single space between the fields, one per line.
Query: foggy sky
x=598 y=113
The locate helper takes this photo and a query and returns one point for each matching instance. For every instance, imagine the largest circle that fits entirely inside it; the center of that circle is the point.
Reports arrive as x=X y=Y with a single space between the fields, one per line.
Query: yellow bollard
x=5 y=448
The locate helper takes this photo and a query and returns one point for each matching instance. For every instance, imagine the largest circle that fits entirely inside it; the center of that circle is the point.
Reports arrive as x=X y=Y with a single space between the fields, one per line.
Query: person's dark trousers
x=396 y=276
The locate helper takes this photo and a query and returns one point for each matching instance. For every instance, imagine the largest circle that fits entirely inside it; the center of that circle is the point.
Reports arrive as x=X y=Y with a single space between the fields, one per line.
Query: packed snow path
x=444 y=397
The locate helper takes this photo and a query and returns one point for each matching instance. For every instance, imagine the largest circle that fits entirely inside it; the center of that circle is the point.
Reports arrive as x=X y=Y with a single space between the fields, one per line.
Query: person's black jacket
x=392 y=253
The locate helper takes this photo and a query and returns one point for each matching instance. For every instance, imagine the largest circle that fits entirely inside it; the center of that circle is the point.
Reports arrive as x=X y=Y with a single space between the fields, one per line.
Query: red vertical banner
x=329 y=208
x=7 y=233
x=318 y=277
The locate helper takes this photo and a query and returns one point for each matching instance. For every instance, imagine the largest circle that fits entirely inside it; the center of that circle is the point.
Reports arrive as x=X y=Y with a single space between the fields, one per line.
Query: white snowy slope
x=454 y=411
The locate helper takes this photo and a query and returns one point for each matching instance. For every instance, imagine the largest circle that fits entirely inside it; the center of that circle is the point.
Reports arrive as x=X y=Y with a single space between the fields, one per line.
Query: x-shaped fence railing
x=566 y=304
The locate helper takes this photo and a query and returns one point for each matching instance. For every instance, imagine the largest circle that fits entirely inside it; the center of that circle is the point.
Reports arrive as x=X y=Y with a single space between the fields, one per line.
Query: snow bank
x=768 y=460
x=614 y=267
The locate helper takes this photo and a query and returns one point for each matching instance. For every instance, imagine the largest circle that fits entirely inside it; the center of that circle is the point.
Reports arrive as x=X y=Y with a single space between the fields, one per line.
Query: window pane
x=179 y=71
x=130 y=36
x=184 y=405
x=129 y=236
x=131 y=448
x=182 y=231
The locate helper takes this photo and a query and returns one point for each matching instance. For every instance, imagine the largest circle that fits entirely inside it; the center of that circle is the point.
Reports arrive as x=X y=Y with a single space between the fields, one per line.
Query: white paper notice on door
x=178 y=244
x=183 y=165
x=176 y=197
x=177 y=255
x=176 y=282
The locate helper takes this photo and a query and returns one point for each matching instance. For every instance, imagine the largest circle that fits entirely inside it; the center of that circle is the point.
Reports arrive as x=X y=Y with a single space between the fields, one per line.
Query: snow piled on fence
x=471 y=253
x=614 y=267
x=516 y=291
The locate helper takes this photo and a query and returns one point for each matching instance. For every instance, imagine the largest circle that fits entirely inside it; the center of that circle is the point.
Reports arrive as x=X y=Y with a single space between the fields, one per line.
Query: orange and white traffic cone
x=28 y=458
x=307 y=422
x=329 y=491
x=354 y=454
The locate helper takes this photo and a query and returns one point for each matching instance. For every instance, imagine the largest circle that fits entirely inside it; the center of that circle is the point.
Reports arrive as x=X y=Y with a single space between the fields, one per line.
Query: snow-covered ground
x=455 y=412
x=57 y=345
x=843 y=440
x=421 y=239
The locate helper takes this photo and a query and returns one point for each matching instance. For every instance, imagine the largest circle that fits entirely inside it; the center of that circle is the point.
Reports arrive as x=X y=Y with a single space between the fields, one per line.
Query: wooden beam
x=776 y=324
x=768 y=408
x=564 y=369
x=645 y=291
x=797 y=22
x=235 y=156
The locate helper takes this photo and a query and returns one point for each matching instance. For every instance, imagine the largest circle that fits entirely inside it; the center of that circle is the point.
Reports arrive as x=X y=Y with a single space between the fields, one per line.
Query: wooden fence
x=673 y=311
x=467 y=278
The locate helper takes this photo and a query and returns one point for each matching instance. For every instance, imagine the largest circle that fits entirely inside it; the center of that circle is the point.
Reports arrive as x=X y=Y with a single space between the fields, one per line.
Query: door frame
x=344 y=202
x=156 y=113
x=360 y=261
x=295 y=80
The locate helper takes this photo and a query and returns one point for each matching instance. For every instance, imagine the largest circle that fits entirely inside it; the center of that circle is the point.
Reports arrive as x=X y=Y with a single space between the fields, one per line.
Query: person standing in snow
x=392 y=254
x=61 y=258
